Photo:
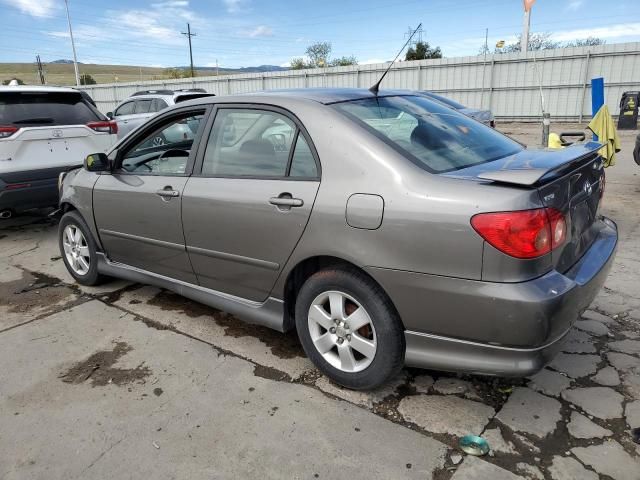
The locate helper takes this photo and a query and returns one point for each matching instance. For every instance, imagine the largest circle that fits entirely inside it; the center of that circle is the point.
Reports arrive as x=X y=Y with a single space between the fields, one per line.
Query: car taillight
x=524 y=233
x=104 y=127
x=7 y=130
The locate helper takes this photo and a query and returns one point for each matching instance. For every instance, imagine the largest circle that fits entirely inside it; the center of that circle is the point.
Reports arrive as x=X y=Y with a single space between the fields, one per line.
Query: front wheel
x=78 y=249
x=349 y=328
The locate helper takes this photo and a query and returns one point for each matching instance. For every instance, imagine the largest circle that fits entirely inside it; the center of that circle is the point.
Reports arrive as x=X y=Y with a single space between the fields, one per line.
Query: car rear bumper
x=30 y=189
x=509 y=329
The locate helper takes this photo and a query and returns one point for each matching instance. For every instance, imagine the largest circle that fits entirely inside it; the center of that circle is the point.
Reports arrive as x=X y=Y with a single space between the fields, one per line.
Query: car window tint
x=431 y=135
x=165 y=151
x=246 y=142
x=143 y=106
x=303 y=164
x=158 y=104
x=33 y=109
x=125 y=109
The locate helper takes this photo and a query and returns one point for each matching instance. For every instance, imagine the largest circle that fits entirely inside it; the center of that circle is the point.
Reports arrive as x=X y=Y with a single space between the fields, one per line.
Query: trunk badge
x=56 y=133
x=588 y=189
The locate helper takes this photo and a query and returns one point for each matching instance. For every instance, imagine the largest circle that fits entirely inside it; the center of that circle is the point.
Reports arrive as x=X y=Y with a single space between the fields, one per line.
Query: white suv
x=135 y=110
x=43 y=132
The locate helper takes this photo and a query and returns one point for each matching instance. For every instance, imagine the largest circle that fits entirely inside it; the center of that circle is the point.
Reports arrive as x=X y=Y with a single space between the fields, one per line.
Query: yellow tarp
x=602 y=125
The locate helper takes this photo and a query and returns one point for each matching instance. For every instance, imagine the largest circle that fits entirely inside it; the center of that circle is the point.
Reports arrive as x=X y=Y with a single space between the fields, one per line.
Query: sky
x=237 y=33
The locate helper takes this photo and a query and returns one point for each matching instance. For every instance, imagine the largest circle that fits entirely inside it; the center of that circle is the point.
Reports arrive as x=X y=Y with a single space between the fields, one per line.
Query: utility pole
x=484 y=64
x=526 y=23
x=40 y=70
x=189 y=35
x=73 y=45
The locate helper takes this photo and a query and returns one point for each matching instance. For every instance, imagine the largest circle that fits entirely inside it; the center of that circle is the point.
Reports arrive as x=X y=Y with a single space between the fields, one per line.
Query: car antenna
x=374 y=89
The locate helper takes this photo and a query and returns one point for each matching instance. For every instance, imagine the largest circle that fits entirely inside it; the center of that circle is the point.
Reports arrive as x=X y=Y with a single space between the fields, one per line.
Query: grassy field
x=63 y=74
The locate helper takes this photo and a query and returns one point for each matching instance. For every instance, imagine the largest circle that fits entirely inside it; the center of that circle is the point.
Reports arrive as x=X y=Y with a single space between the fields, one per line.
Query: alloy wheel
x=342 y=331
x=76 y=250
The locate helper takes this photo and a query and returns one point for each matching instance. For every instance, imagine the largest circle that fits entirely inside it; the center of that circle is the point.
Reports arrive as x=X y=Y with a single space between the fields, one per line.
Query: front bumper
x=509 y=329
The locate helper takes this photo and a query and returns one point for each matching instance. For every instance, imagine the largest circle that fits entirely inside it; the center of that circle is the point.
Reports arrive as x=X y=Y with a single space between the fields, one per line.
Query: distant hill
x=63 y=61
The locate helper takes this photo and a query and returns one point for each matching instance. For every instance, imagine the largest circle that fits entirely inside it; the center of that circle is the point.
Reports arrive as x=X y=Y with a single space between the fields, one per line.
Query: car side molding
x=269 y=313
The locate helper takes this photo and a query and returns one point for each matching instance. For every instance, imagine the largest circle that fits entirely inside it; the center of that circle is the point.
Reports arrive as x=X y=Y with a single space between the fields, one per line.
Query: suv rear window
x=45 y=109
x=434 y=137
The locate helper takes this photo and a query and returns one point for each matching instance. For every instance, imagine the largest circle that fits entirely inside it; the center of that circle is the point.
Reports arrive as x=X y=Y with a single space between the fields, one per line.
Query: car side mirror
x=636 y=150
x=97 y=162
x=110 y=115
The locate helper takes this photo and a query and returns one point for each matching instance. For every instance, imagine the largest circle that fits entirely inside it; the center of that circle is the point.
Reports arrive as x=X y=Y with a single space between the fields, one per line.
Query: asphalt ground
x=130 y=381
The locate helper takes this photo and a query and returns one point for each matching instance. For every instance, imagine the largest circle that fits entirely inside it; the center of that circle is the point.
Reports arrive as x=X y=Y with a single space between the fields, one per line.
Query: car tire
x=78 y=249
x=362 y=355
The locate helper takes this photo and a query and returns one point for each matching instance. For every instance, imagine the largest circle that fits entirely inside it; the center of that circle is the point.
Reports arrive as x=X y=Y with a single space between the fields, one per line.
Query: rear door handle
x=286 y=202
x=168 y=192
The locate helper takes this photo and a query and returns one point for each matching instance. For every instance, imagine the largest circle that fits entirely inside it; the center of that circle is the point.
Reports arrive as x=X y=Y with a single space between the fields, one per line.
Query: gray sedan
x=387 y=229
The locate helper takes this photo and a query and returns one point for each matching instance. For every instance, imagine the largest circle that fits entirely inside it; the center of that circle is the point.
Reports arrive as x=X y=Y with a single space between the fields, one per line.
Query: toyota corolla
x=386 y=228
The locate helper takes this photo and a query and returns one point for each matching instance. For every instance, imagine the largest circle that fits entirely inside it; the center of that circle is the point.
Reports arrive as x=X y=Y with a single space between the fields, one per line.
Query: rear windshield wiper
x=34 y=120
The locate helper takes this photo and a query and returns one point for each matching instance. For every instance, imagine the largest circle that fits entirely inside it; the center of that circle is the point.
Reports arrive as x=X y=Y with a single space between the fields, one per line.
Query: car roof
x=37 y=88
x=330 y=95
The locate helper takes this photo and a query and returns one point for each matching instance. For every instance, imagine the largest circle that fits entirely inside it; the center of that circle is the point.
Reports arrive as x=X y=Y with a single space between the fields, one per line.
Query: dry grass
x=63 y=74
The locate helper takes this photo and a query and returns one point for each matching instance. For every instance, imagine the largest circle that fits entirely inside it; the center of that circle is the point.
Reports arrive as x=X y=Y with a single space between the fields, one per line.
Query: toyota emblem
x=56 y=133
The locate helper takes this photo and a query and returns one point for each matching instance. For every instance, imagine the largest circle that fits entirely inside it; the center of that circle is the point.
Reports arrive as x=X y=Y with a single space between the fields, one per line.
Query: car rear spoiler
x=529 y=170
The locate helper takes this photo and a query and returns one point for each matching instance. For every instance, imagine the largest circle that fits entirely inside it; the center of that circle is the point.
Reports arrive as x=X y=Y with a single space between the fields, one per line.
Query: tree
x=176 y=73
x=86 y=79
x=297 y=63
x=537 y=41
x=318 y=54
x=421 y=51
x=344 y=61
x=586 y=42
x=7 y=82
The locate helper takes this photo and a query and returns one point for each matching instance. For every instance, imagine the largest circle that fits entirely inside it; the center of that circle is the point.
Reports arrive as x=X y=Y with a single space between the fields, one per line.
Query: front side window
x=166 y=150
x=125 y=109
x=433 y=136
x=247 y=142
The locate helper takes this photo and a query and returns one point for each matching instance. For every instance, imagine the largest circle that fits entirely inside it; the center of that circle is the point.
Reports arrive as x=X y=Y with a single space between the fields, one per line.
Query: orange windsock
x=528 y=4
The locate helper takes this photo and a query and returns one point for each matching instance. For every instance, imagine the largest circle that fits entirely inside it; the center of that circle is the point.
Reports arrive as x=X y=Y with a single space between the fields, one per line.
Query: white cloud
x=574 y=5
x=259 y=31
x=35 y=8
x=236 y=6
x=171 y=4
x=611 y=31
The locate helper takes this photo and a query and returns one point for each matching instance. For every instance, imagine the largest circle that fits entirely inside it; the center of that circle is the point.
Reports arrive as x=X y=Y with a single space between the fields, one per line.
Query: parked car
x=482 y=116
x=141 y=106
x=43 y=131
x=387 y=229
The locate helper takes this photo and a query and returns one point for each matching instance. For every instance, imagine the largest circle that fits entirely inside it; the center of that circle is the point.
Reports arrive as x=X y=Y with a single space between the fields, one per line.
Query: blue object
x=597 y=98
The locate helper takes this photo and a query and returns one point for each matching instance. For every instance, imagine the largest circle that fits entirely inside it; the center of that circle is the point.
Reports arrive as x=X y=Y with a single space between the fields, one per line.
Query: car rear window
x=45 y=109
x=434 y=137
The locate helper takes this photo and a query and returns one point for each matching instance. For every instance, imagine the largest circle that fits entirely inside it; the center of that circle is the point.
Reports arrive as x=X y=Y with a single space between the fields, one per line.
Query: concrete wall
x=508 y=84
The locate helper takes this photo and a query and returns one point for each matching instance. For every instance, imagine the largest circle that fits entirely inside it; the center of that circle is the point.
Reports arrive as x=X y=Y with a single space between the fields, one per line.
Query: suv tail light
x=522 y=234
x=7 y=130
x=104 y=127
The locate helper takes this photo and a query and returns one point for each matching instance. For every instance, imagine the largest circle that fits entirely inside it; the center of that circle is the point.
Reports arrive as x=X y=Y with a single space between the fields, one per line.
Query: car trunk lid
x=570 y=180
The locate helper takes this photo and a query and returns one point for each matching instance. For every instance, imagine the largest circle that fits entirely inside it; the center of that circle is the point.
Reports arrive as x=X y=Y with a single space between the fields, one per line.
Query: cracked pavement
x=130 y=381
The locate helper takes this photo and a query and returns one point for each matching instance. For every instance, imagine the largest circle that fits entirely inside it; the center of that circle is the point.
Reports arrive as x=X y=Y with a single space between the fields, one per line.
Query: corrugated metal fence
x=508 y=84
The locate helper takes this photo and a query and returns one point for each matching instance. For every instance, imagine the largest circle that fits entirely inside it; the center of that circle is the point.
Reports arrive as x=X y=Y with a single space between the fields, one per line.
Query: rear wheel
x=78 y=249
x=349 y=328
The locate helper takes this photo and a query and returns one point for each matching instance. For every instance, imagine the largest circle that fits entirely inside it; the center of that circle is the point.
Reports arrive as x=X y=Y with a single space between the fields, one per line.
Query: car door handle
x=286 y=202
x=168 y=192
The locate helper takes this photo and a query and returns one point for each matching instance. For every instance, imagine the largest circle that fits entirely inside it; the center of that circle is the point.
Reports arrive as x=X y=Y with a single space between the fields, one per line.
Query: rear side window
x=432 y=136
x=143 y=106
x=158 y=104
x=45 y=109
